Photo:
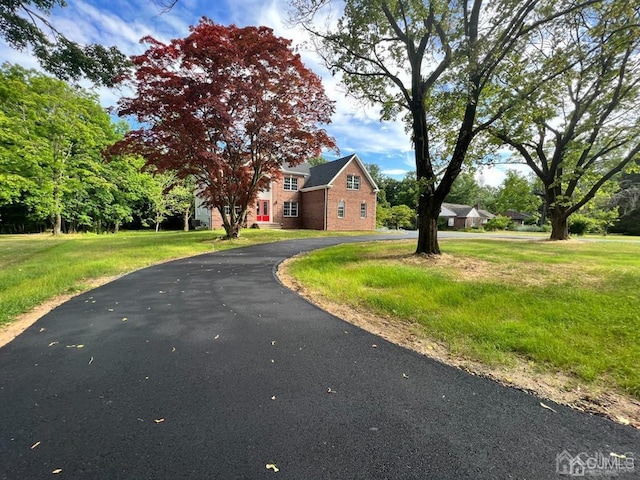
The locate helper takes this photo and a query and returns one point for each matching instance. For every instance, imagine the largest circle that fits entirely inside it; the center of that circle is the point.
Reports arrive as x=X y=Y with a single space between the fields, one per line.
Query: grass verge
x=571 y=307
x=36 y=268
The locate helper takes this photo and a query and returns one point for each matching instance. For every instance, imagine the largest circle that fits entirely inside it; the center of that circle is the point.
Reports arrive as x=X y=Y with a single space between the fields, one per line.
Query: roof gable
x=324 y=175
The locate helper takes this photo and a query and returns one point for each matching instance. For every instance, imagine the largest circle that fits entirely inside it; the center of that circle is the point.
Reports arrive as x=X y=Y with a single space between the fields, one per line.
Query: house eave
x=318 y=187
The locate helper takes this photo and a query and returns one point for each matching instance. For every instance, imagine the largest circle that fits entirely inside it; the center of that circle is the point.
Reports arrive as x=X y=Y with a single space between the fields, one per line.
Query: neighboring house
x=460 y=217
x=338 y=195
x=484 y=214
x=518 y=218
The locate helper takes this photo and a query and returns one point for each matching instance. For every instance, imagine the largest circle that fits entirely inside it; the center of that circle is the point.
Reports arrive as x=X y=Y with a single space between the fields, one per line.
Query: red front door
x=262 y=211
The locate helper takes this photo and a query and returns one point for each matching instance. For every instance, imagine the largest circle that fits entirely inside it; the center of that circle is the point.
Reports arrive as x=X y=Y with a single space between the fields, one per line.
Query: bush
x=499 y=222
x=581 y=224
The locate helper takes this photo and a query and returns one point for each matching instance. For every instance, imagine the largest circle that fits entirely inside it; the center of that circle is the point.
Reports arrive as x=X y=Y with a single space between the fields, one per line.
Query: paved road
x=218 y=371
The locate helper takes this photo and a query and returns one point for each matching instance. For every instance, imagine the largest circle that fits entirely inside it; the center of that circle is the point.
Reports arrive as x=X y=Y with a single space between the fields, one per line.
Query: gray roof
x=460 y=210
x=301 y=169
x=515 y=215
x=445 y=212
x=323 y=174
x=486 y=213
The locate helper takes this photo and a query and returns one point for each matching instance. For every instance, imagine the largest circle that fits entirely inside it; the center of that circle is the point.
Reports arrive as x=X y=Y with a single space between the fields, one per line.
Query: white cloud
x=394 y=172
x=493 y=176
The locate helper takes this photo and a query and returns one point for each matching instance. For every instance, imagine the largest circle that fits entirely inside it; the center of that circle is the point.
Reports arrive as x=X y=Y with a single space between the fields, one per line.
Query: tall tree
x=25 y=23
x=516 y=193
x=432 y=60
x=51 y=142
x=582 y=128
x=228 y=106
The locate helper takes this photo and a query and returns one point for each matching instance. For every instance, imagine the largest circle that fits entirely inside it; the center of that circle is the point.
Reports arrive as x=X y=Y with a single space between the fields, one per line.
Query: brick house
x=338 y=195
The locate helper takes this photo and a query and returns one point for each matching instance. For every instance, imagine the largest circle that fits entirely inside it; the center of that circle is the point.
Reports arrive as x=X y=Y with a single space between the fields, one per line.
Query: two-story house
x=338 y=195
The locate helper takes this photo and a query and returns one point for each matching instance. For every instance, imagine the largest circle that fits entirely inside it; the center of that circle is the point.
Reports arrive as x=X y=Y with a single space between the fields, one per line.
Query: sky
x=355 y=126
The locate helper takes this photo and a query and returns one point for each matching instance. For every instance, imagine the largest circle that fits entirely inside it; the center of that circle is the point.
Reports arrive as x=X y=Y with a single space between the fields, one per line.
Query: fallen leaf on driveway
x=273 y=342
x=42 y=329
x=91 y=361
x=330 y=391
x=125 y=319
x=173 y=349
x=273 y=398
x=57 y=471
x=216 y=337
x=404 y=375
x=80 y=346
x=272 y=466
x=159 y=420
x=547 y=407
x=53 y=343
x=35 y=445
x=374 y=346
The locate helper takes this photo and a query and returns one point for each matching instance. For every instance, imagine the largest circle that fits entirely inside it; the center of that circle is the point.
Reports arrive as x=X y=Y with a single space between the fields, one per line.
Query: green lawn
x=35 y=268
x=573 y=306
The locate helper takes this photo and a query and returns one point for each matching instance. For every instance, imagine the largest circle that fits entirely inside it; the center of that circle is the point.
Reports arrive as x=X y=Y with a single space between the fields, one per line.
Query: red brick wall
x=313 y=209
x=279 y=195
x=352 y=200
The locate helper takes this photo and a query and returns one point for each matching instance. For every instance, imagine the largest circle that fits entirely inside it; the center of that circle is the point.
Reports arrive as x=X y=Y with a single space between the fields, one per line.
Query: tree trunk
x=427 y=226
x=185 y=217
x=559 y=226
x=57 y=224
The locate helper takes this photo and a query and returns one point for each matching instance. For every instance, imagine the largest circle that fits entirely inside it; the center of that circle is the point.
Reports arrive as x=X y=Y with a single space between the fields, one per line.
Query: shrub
x=581 y=224
x=499 y=222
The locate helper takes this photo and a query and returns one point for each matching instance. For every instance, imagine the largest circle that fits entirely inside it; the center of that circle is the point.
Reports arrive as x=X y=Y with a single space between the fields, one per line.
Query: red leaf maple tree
x=228 y=106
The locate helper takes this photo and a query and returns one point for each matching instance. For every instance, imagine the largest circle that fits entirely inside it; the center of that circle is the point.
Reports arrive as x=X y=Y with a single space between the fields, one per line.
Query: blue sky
x=355 y=125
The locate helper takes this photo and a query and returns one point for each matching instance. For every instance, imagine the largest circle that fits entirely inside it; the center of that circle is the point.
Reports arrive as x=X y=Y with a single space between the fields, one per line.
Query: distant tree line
x=615 y=208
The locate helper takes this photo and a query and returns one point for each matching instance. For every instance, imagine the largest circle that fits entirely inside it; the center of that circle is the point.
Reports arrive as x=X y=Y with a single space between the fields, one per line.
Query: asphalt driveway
x=208 y=368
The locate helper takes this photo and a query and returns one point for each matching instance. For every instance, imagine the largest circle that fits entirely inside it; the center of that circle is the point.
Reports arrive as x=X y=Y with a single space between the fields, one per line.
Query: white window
x=290 y=209
x=363 y=210
x=227 y=210
x=353 y=182
x=291 y=184
x=341 y=209
x=450 y=221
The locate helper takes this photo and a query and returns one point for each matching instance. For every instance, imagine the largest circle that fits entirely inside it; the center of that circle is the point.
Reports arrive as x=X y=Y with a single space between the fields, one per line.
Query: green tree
x=315 y=161
x=516 y=193
x=583 y=128
x=467 y=191
x=25 y=23
x=434 y=61
x=402 y=216
x=52 y=142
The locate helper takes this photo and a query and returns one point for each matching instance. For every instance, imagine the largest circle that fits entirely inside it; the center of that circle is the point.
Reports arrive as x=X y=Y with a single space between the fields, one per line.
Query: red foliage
x=228 y=105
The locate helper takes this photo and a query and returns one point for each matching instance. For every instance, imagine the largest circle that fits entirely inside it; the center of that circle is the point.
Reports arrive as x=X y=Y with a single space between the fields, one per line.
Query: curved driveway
x=208 y=368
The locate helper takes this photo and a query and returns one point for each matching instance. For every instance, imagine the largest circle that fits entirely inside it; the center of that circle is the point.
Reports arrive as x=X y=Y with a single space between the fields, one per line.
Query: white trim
x=319 y=187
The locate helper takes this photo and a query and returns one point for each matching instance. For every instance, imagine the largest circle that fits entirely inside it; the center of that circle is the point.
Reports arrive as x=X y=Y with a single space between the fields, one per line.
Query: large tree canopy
x=583 y=128
x=229 y=106
x=24 y=23
x=51 y=138
x=434 y=61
